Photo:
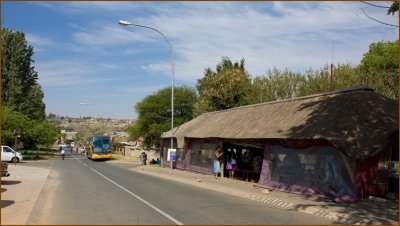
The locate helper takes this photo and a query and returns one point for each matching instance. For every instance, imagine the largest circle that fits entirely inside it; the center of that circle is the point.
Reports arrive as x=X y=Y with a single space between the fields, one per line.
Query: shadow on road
x=386 y=210
x=10 y=182
x=5 y=203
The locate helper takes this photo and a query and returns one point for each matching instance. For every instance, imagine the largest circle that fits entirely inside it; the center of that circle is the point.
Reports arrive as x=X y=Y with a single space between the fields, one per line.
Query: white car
x=8 y=154
x=67 y=147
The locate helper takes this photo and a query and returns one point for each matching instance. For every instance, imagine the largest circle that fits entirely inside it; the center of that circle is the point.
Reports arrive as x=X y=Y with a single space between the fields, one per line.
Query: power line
x=378 y=20
x=379 y=6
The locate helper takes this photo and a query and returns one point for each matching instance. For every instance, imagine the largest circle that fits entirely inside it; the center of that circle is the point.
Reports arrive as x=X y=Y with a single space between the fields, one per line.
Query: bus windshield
x=101 y=144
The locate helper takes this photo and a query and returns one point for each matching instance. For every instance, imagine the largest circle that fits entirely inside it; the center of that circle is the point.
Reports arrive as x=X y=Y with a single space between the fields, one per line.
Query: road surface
x=81 y=191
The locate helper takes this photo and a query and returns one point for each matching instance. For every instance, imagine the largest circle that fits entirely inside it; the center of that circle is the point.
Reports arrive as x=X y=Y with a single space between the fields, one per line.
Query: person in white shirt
x=63 y=153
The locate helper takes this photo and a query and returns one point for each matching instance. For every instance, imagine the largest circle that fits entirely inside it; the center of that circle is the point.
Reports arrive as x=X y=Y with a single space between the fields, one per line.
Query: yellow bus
x=100 y=148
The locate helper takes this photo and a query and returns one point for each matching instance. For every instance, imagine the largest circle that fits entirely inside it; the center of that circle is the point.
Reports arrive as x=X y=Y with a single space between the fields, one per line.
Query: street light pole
x=126 y=23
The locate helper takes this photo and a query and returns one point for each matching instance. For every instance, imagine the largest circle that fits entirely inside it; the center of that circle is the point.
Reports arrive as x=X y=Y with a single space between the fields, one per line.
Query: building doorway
x=248 y=161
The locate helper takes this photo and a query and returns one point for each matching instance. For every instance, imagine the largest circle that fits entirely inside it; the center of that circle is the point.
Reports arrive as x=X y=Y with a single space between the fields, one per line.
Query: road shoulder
x=20 y=191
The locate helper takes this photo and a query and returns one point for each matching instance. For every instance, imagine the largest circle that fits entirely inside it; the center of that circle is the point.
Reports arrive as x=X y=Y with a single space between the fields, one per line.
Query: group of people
x=155 y=162
x=232 y=164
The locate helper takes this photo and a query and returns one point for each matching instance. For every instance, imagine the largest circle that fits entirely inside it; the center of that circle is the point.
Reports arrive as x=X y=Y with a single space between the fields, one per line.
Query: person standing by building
x=217 y=166
x=222 y=163
x=257 y=164
x=231 y=163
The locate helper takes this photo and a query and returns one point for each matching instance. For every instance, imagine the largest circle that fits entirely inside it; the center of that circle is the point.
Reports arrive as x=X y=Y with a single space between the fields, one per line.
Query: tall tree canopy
x=20 y=89
x=225 y=88
x=154 y=114
x=380 y=67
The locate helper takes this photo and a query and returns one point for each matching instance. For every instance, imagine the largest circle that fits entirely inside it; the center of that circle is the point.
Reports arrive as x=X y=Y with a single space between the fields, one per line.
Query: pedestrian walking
x=62 y=154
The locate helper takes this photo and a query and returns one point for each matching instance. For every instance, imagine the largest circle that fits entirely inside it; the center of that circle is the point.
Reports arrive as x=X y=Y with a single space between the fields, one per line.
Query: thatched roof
x=355 y=121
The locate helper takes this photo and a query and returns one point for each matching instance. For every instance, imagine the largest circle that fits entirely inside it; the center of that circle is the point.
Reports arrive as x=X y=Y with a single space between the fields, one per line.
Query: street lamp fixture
x=127 y=23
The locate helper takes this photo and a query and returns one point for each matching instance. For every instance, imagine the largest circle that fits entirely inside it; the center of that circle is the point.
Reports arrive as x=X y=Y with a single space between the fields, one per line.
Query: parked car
x=9 y=155
x=67 y=147
x=4 y=169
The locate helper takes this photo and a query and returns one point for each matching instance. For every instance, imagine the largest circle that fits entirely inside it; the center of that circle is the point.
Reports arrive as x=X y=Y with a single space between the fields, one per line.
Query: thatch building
x=335 y=144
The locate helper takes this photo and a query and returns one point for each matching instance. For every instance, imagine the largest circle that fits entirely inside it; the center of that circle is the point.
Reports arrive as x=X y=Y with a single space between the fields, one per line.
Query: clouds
x=69 y=73
x=286 y=35
x=294 y=35
x=85 y=45
x=41 y=43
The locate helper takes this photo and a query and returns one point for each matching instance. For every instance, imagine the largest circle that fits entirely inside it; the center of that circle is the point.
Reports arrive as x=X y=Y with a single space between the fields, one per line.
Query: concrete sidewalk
x=20 y=191
x=367 y=211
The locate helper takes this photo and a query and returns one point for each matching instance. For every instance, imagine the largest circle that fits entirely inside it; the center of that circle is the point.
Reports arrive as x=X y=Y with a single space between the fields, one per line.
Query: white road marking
x=140 y=199
x=84 y=164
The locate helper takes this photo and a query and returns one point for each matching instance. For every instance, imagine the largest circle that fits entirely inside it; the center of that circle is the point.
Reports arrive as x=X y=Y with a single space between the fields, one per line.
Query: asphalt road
x=80 y=191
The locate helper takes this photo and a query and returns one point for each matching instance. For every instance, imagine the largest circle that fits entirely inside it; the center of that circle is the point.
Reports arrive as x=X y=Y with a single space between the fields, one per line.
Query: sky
x=89 y=65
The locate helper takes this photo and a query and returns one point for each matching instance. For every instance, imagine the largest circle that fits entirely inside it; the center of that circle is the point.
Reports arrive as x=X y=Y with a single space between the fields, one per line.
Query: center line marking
x=140 y=199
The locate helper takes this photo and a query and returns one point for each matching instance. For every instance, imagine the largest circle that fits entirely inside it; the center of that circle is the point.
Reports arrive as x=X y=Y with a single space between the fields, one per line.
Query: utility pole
x=17 y=133
x=331 y=74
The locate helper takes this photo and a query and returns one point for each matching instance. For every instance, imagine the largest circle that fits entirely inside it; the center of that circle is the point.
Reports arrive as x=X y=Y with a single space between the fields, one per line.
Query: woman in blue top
x=216 y=167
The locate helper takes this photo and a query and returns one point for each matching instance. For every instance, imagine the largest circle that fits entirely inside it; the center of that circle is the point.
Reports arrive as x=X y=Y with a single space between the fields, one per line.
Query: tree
x=393 y=8
x=225 y=88
x=380 y=67
x=11 y=120
x=262 y=90
x=43 y=133
x=20 y=89
x=276 y=85
x=35 y=132
x=154 y=114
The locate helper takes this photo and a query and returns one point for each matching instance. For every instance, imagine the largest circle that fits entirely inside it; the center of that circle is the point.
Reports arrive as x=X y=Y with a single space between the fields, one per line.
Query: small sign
x=17 y=132
x=171 y=154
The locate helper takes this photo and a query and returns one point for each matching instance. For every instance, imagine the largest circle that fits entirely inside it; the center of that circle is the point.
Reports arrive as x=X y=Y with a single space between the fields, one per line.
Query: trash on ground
x=265 y=191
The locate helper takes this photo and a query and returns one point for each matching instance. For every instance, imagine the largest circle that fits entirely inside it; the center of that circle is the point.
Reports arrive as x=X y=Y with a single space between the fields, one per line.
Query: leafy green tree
x=35 y=132
x=20 y=89
x=154 y=114
x=276 y=85
x=11 y=120
x=262 y=90
x=380 y=67
x=285 y=84
x=43 y=133
x=317 y=81
x=225 y=88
